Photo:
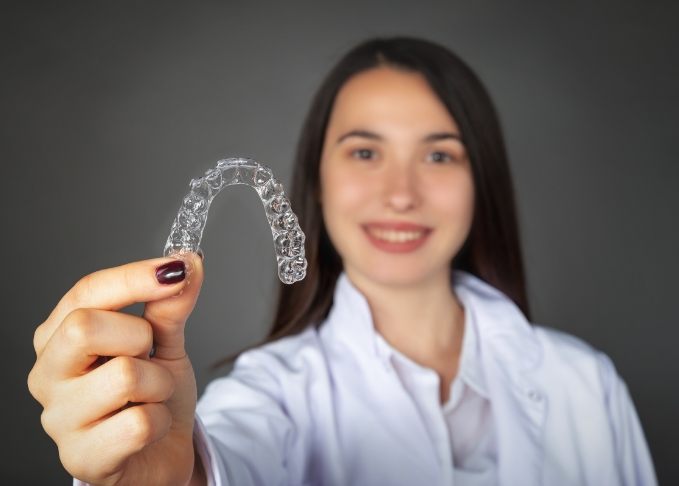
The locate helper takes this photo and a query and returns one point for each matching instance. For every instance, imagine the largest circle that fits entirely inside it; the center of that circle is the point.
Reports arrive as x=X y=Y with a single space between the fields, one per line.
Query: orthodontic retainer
x=288 y=237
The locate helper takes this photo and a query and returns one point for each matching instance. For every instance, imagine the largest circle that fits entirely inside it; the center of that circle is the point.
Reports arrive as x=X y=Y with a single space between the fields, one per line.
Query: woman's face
x=397 y=192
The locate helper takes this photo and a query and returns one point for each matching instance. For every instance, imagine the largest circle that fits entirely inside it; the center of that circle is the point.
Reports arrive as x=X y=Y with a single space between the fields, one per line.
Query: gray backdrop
x=108 y=109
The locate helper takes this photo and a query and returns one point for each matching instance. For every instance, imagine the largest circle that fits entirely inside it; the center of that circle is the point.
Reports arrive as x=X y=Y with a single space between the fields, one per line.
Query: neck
x=424 y=321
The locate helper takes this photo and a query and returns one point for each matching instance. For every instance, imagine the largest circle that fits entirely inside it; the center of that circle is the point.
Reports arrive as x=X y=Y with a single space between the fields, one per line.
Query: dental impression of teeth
x=288 y=238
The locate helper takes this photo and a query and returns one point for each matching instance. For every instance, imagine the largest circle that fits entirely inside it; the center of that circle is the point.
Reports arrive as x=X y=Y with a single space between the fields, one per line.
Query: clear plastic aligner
x=288 y=238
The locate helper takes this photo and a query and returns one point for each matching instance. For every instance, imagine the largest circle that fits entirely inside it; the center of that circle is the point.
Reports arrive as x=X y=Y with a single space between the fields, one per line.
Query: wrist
x=199 y=477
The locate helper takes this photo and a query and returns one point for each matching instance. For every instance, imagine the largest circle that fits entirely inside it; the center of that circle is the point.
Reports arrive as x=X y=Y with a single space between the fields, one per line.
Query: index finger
x=111 y=289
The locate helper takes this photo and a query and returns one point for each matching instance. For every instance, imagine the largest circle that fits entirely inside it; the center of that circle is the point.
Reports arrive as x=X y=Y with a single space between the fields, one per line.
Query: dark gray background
x=108 y=109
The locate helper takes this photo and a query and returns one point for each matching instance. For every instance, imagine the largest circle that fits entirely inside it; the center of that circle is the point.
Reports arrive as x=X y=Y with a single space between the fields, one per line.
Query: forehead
x=390 y=97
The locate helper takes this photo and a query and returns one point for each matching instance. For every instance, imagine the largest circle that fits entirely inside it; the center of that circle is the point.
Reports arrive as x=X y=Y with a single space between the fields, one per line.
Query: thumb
x=168 y=316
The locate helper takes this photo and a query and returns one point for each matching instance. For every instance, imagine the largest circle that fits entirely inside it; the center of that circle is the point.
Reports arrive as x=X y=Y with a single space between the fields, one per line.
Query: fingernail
x=171 y=272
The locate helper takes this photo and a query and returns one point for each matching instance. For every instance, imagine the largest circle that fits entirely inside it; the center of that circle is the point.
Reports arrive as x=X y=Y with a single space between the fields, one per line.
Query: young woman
x=405 y=357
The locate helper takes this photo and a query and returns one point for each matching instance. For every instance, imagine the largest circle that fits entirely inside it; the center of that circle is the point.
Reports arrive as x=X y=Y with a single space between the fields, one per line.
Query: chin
x=393 y=275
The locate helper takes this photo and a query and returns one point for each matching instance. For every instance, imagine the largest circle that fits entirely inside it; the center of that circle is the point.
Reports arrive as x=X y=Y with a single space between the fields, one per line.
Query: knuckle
x=127 y=375
x=129 y=278
x=77 y=464
x=82 y=290
x=77 y=327
x=139 y=427
x=48 y=423
x=38 y=339
x=33 y=383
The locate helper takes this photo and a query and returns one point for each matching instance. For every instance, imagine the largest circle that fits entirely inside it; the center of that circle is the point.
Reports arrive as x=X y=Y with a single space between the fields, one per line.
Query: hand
x=128 y=418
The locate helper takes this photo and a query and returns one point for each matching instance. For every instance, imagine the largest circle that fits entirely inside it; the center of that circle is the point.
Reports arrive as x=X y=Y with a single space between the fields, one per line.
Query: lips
x=397 y=226
x=398 y=236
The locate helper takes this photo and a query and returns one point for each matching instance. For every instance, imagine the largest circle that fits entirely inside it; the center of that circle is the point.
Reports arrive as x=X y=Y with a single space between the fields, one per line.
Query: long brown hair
x=492 y=250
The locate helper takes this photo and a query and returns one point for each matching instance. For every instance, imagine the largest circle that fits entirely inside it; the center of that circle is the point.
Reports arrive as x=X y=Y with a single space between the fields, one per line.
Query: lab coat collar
x=494 y=315
x=469 y=369
x=509 y=355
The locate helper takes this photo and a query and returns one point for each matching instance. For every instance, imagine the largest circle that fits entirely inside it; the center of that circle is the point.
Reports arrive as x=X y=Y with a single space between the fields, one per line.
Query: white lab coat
x=320 y=408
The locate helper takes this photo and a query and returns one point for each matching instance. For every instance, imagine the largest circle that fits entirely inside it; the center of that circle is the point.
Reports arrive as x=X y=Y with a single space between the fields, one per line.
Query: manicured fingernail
x=171 y=272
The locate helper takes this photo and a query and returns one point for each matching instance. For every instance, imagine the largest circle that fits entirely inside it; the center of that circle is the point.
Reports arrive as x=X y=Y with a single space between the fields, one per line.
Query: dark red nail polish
x=171 y=272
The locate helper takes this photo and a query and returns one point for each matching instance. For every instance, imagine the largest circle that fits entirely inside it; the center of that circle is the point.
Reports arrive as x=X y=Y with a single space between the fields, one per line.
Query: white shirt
x=462 y=429
x=338 y=406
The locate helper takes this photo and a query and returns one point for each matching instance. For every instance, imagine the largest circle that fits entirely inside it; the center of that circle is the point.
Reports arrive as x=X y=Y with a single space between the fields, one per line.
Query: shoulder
x=574 y=359
x=274 y=368
x=585 y=379
x=293 y=353
x=565 y=345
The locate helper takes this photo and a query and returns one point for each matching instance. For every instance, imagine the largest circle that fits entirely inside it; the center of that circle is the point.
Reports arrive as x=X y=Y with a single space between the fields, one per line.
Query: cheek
x=455 y=199
x=342 y=198
x=343 y=193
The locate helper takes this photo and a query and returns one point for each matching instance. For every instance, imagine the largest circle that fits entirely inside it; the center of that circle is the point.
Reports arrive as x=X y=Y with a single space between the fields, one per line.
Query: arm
x=635 y=462
x=242 y=426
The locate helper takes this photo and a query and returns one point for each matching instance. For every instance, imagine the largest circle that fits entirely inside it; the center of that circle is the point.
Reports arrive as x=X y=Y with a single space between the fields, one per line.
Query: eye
x=439 y=156
x=364 y=154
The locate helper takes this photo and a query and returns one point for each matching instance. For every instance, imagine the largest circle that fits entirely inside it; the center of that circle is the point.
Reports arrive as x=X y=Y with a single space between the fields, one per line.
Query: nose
x=400 y=187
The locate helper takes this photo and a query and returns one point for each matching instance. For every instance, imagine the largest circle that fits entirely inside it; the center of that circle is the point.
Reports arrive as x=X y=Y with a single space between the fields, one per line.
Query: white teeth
x=395 y=236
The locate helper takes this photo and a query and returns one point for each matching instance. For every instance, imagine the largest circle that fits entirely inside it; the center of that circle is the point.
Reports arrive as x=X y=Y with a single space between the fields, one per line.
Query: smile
x=397 y=240
x=395 y=236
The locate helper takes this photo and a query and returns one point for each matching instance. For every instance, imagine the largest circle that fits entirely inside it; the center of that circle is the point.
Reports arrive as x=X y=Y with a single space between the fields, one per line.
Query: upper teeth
x=396 y=236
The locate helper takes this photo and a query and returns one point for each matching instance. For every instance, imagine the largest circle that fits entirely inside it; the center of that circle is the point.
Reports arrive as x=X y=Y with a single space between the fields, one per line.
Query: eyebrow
x=432 y=137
